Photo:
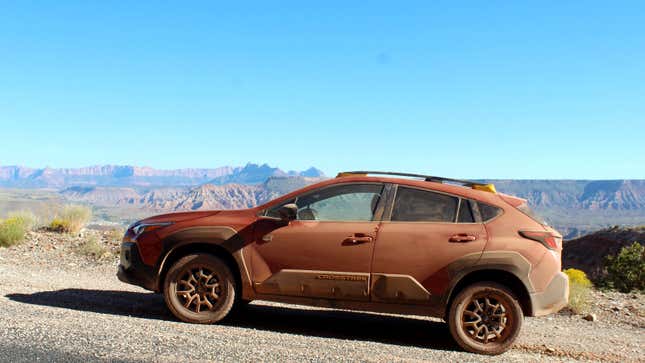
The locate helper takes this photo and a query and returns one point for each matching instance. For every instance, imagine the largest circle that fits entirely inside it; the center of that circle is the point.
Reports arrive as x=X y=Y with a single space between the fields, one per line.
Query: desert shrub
x=15 y=227
x=12 y=232
x=59 y=225
x=26 y=218
x=579 y=290
x=626 y=271
x=115 y=234
x=92 y=247
x=71 y=219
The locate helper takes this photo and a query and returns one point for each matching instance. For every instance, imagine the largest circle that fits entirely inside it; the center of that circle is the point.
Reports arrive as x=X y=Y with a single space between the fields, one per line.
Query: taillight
x=548 y=239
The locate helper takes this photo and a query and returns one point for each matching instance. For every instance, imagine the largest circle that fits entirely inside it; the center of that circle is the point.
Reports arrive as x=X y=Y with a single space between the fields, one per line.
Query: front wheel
x=485 y=318
x=199 y=288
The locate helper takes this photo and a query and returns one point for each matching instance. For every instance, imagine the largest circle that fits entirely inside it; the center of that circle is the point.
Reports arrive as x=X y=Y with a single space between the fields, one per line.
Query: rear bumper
x=553 y=298
x=133 y=271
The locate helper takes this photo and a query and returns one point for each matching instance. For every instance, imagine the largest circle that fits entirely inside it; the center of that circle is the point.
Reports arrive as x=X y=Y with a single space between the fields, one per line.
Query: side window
x=466 y=212
x=488 y=211
x=414 y=205
x=348 y=202
x=273 y=211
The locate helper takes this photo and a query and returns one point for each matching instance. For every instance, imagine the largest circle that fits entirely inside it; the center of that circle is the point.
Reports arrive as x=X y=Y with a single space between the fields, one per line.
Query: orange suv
x=374 y=241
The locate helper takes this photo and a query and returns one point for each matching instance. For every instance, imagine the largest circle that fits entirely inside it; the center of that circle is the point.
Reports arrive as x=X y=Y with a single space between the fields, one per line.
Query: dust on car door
x=327 y=251
x=422 y=236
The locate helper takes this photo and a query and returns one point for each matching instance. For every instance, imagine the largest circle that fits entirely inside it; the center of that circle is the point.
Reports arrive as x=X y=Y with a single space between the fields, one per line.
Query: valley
x=121 y=194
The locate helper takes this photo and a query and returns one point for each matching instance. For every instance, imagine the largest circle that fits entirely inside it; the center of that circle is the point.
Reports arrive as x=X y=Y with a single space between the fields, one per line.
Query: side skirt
x=421 y=310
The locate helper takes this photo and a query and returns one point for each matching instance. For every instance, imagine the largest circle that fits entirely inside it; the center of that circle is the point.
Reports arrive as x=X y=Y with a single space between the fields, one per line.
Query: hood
x=179 y=216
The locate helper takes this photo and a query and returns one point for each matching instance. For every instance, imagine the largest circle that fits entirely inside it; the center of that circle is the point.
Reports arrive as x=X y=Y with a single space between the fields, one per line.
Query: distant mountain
x=578 y=194
x=312 y=173
x=587 y=253
x=578 y=207
x=256 y=174
x=205 y=196
x=157 y=199
x=574 y=207
x=129 y=176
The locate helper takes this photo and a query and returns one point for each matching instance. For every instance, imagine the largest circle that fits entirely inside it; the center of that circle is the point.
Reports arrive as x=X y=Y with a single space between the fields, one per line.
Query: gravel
x=57 y=305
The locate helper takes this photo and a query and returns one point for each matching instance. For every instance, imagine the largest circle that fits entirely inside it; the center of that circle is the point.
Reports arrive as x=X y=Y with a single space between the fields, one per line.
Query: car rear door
x=425 y=234
x=327 y=251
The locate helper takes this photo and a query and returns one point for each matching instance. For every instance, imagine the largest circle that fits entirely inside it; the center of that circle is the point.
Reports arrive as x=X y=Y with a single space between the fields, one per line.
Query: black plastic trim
x=133 y=271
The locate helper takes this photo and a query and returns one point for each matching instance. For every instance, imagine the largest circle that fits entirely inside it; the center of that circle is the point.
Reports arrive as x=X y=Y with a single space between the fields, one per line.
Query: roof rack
x=430 y=178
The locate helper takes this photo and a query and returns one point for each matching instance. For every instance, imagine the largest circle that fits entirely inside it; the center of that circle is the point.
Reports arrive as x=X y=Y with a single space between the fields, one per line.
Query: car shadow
x=341 y=324
x=127 y=303
x=337 y=324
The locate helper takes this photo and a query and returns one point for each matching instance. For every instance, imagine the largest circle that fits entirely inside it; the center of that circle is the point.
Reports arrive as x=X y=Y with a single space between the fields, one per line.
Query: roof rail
x=430 y=178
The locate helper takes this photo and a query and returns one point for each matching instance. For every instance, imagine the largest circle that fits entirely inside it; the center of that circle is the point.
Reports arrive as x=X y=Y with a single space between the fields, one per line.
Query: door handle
x=462 y=237
x=357 y=239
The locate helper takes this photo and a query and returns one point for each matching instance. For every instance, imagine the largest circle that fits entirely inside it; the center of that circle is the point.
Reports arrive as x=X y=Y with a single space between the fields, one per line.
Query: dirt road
x=55 y=305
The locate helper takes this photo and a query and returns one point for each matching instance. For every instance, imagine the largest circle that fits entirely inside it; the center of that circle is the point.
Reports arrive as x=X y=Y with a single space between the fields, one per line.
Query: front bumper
x=553 y=298
x=133 y=271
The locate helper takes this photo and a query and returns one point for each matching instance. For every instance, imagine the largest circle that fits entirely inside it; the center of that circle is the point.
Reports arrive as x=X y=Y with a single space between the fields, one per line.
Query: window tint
x=350 y=202
x=273 y=212
x=488 y=211
x=465 y=212
x=416 y=205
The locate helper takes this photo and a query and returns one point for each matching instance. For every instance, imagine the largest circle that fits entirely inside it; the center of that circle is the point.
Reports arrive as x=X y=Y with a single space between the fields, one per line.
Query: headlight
x=139 y=229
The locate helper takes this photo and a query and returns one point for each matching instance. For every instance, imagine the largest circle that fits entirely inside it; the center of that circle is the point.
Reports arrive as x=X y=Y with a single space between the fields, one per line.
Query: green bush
x=14 y=228
x=579 y=290
x=11 y=232
x=626 y=271
x=59 y=225
x=71 y=219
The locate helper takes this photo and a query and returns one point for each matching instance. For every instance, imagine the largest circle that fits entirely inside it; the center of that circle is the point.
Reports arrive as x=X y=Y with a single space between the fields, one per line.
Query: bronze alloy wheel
x=199 y=288
x=485 y=318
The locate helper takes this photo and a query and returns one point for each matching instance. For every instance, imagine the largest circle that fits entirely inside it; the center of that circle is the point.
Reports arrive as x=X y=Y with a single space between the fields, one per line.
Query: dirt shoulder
x=58 y=304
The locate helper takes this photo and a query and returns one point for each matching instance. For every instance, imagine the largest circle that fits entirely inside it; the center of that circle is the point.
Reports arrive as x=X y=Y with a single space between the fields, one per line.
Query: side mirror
x=288 y=212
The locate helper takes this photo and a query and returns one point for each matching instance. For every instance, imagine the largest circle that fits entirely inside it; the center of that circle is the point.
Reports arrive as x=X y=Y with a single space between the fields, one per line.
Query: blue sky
x=480 y=89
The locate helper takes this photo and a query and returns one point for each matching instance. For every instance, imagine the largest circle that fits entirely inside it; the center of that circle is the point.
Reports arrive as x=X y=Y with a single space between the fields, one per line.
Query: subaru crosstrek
x=372 y=241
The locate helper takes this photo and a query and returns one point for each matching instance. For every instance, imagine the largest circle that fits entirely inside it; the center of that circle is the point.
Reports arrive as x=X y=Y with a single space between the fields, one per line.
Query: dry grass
x=92 y=247
x=71 y=219
x=115 y=234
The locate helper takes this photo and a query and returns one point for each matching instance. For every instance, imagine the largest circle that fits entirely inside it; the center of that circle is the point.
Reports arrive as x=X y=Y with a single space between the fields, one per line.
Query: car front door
x=327 y=251
x=426 y=235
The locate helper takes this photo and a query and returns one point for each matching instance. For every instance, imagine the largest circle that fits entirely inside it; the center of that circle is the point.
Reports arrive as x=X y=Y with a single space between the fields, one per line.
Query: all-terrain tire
x=485 y=318
x=200 y=288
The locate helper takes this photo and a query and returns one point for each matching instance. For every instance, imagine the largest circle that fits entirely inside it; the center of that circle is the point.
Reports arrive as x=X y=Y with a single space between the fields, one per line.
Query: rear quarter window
x=488 y=211
x=414 y=205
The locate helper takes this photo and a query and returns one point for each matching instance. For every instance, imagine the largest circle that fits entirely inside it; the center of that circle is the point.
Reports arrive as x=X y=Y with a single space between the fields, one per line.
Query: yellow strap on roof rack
x=485 y=187
x=467 y=183
x=349 y=173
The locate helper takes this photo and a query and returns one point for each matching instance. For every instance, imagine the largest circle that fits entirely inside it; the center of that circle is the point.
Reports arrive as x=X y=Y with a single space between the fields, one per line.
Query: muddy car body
x=451 y=249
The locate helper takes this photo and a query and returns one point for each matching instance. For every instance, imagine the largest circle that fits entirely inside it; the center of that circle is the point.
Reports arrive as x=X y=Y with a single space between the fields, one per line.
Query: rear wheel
x=199 y=288
x=485 y=318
